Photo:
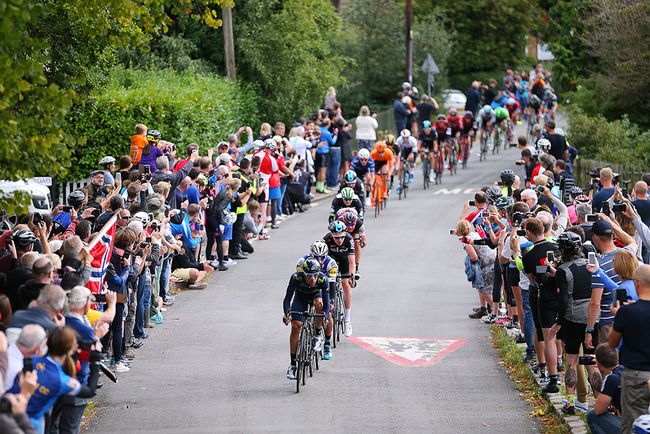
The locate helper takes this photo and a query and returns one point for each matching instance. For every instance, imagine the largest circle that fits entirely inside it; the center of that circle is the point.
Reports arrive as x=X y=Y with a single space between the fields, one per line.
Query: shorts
x=344 y=266
x=274 y=193
x=428 y=145
x=547 y=308
x=321 y=161
x=534 y=308
x=182 y=274
x=405 y=152
x=513 y=276
x=301 y=303
x=227 y=232
x=574 y=336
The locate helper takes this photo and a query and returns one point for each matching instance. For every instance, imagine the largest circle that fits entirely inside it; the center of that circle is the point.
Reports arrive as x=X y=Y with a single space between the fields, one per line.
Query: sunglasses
x=319 y=258
x=311 y=276
x=363 y=159
x=338 y=237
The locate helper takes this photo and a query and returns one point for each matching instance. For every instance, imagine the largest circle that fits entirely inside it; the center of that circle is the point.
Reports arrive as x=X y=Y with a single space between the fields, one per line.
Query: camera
x=586 y=360
x=518 y=218
x=619 y=207
x=66 y=208
x=591 y=218
x=521 y=232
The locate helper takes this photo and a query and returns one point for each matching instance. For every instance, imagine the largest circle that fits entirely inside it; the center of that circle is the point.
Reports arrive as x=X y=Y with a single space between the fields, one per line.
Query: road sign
x=409 y=352
x=430 y=68
x=43 y=180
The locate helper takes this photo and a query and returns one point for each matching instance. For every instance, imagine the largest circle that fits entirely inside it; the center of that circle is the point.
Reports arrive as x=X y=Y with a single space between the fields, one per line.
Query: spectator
x=608 y=189
x=490 y=92
x=642 y=206
x=94 y=191
x=330 y=99
x=42 y=275
x=191 y=272
x=138 y=143
x=605 y=417
x=582 y=210
x=631 y=325
x=30 y=343
x=564 y=180
x=401 y=111
x=108 y=165
x=366 y=126
x=16 y=420
x=473 y=102
x=323 y=155
x=174 y=179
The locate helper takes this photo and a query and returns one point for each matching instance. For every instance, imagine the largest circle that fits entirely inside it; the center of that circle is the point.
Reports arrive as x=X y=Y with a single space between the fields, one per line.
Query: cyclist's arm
x=291 y=289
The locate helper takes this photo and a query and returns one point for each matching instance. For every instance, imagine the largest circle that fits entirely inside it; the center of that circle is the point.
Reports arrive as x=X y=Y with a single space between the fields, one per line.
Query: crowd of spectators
x=565 y=269
x=81 y=287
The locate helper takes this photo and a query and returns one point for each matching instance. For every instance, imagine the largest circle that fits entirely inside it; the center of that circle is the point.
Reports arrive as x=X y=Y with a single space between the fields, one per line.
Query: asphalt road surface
x=417 y=363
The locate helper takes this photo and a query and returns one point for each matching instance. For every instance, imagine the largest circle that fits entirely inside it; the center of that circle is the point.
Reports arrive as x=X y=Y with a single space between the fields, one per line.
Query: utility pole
x=228 y=42
x=409 y=41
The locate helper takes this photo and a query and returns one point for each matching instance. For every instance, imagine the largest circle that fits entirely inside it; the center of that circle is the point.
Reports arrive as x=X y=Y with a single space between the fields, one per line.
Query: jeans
x=138 y=327
x=164 y=278
x=527 y=321
x=365 y=144
x=606 y=423
x=117 y=332
x=333 y=167
x=283 y=190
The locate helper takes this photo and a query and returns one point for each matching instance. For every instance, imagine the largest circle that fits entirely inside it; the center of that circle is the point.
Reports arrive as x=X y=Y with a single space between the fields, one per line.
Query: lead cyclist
x=408 y=147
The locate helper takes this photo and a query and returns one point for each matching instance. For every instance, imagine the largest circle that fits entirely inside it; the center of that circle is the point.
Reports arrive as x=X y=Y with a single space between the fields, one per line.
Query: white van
x=41 y=199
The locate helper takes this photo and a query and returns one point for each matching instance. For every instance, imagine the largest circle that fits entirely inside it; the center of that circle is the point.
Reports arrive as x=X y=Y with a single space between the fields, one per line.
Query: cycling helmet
x=504 y=202
x=468 y=115
x=544 y=144
x=310 y=266
x=270 y=144
x=153 y=136
x=230 y=218
x=337 y=227
x=426 y=124
x=511 y=101
x=569 y=241
x=23 y=238
x=364 y=153
x=507 y=176
x=106 y=160
x=453 y=111
x=76 y=198
x=406 y=85
x=380 y=146
x=350 y=177
x=142 y=217
x=390 y=139
x=493 y=193
x=534 y=100
x=349 y=218
x=441 y=117
x=550 y=183
x=487 y=109
x=581 y=198
x=258 y=145
x=501 y=113
x=405 y=134
x=575 y=191
x=319 y=248
x=347 y=193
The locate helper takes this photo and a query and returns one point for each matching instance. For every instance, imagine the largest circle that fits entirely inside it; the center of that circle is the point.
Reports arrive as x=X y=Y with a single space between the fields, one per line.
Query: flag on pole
x=100 y=249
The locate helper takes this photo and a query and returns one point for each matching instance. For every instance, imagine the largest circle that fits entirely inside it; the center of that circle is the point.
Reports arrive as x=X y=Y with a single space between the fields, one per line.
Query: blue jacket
x=184 y=229
x=473 y=272
x=401 y=115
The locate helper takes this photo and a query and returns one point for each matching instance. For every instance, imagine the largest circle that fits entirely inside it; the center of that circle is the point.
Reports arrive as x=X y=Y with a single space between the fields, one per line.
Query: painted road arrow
x=409 y=352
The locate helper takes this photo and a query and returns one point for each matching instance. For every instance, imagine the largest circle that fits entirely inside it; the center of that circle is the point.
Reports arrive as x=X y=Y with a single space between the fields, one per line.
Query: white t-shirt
x=366 y=126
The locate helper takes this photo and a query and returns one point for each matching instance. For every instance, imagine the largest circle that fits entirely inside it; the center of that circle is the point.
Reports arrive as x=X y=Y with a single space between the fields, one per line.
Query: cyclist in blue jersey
x=364 y=167
x=329 y=267
x=308 y=286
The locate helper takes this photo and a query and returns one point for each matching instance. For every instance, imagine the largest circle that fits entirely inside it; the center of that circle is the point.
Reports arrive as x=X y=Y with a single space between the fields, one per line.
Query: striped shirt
x=606 y=263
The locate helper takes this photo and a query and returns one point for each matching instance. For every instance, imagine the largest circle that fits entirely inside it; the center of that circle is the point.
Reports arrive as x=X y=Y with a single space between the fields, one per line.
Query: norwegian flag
x=100 y=249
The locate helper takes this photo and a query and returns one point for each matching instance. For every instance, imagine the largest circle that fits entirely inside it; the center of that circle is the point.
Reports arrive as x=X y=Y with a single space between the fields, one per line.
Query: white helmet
x=270 y=144
x=364 y=153
x=405 y=133
x=544 y=144
x=406 y=85
x=258 y=145
x=487 y=109
x=319 y=248
x=107 y=160
x=230 y=218
x=142 y=217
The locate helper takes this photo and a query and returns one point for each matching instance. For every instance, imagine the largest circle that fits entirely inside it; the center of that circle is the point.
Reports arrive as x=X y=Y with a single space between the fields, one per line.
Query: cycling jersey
x=337 y=204
x=468 y=125
x=512 y=109
x=441 y=129
x=406 y=147
x=501 y=114
x=357 y=187
x=549 y=101
x=328 y=267
x=299 y=294
x=428 y=139
x=455 y=123
x=341 y=252
x=381 y=159
x=482 y=120
x=360 y=169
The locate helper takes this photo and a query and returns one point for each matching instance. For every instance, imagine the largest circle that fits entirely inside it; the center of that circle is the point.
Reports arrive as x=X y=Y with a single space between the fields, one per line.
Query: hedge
x=186 y=107
x=619 y=141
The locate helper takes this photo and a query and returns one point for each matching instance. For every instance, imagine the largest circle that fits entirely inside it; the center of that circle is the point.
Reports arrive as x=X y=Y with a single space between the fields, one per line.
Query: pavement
x=416 y=363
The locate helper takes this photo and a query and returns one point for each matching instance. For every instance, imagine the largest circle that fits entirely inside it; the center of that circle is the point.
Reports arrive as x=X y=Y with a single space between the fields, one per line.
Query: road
x=218 y=362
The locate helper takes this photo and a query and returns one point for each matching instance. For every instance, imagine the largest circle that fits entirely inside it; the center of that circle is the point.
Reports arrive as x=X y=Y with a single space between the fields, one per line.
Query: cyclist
x=428 y=141
x=503 y=118
x=319 y=251
x=408 y=146
x=350 y=179
x=549 y=103
x=354 y=226
x=513 y=107
x=455 y=123
x=392 y=146
x=364 y=167
x=383 y=158
x=345 y=199
x=341 y=247
x=485 y=122
x=307 y=286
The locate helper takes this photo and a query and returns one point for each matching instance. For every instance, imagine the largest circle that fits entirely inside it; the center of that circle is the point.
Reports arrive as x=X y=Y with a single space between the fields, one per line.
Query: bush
x=619 y=141
x=186 y=107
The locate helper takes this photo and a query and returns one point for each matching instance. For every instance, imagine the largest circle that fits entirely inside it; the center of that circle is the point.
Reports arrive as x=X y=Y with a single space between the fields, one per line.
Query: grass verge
x=529 y=390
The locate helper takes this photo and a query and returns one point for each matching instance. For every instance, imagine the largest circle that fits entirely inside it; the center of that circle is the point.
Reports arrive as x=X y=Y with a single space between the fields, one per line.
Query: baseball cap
x=79 y=294
x=602 y=228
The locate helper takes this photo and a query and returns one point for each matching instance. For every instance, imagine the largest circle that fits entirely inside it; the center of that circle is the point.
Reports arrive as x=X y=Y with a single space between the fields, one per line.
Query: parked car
x=454 y=98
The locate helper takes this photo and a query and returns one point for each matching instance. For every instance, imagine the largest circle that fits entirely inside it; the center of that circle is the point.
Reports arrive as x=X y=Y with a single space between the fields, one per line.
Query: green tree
x=431 y=38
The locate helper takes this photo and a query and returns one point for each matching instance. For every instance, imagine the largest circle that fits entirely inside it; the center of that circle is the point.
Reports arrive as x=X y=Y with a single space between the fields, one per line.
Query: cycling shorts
x=428 y=145
x=405 y=152
x=301 y=303
x=344 y=266
x=547 y=308
x=574 y=335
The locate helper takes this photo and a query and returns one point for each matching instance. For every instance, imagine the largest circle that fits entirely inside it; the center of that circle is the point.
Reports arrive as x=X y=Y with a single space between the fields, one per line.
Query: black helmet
x=507 y=177
x=76 y=198
x=493 y=193
x=504 y=202
x=569 y=241
x=153 y=136
x=23 y=238
x=575 y=191
x=310 y=266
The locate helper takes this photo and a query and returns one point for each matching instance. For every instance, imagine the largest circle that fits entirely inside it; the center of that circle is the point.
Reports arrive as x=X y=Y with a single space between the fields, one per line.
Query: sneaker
x=214 y=264
x=144 y=336
x=529 y=357
x=489 y=319
x=569 y=409
x=121 y=367
x=136 y=343
x=168 y=302
x=229 y=262
x=238 y=256
x=502 y=321
x=478 y=314
x=327 y=353
x=273 y=226
x=551 y=387
x=477 y=309
x=222 y=267
x=520 y=339
x=318 y=343
x=367 y=201
x=410 y=178
x=347 y=328
x=560 y=366
x=201 y=285
x=399 y=190
x=291 y=372
x=582 y=407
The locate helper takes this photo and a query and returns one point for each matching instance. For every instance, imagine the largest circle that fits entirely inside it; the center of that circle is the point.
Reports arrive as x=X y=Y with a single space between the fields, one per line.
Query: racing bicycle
x=306 y=357
x=426 y=167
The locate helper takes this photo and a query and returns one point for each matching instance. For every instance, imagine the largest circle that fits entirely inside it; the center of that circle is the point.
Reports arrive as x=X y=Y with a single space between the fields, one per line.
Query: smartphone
x=126 y=254
x=28 y=364
x=591 y=258
x=452 y=232
x=621 y=296
x=550 y=256
x=586 y=360
x=521 y=232
x=118 y=177
x=625 y=192
x=619 y=207
x=485 y=214
x=100 y=298
x=67 y=208
x=519 y=163
x=605 y=209
x=591 y=218
x=146 y=169
x=472 y=203
x=148 y=240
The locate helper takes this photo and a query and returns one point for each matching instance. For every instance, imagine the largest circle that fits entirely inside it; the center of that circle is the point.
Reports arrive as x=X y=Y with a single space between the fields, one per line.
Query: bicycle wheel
x=405 y=182
x=377 y=194
x=425 y=170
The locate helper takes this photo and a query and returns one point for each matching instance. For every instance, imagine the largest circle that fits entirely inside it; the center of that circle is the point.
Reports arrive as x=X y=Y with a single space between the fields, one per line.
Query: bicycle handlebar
x=322 y=315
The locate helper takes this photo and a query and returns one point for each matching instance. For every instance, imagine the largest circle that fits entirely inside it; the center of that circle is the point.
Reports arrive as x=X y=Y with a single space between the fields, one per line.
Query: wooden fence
x=628 y=173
